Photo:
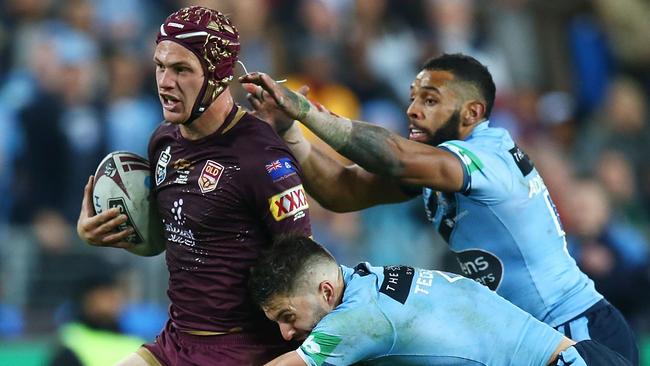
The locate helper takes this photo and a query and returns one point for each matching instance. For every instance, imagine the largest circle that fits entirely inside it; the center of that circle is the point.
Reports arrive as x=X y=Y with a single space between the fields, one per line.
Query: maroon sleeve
x=275 y=186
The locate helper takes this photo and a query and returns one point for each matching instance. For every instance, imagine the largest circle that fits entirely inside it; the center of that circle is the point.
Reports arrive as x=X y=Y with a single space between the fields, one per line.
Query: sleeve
x=274 y=182
x=488 y=177
x=348 y=337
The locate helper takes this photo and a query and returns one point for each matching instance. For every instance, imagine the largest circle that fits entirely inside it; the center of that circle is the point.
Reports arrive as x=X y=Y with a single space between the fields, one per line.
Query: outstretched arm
x=372 y=147
x=335 y=186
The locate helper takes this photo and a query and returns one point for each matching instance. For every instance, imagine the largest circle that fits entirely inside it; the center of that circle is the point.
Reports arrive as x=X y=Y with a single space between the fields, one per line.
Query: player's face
x=434 y=112
x=179 y=77
x=296 y=315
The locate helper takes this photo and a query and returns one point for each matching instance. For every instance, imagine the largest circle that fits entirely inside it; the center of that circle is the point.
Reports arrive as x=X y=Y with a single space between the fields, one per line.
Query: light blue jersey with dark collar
x=401 y=315
x=505 y=230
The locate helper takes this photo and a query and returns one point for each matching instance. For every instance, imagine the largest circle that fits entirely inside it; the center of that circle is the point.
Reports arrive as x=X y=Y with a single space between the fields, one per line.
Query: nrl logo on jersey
x=288 y=203
x=210 y=175
x=161 y=166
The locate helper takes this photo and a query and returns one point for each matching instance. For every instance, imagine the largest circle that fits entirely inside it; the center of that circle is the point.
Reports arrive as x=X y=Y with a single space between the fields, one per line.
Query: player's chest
x=201 y=184
x=202 y=171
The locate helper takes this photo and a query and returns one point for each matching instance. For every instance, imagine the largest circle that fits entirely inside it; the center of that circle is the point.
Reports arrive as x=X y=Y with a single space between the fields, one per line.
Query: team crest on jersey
x=288 y=203
x=161 y=166
x=210 y=175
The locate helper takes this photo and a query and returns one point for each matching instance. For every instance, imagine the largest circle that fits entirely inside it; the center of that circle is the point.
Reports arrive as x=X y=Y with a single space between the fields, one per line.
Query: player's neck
x=210 y=121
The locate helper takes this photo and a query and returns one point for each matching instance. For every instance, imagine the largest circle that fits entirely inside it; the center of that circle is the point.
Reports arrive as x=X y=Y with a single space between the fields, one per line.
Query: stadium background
x=76 y=82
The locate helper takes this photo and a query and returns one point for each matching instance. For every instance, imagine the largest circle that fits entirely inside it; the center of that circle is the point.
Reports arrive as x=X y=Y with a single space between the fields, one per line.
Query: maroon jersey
x=222 y=199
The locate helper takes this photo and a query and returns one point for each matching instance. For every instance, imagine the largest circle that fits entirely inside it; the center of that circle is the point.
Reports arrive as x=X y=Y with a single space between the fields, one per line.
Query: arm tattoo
x=303 y=109
x=373 y=148
x=370 y=146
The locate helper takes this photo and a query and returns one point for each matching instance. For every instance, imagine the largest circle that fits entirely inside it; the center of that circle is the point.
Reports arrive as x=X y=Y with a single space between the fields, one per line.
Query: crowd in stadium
x=77 y=82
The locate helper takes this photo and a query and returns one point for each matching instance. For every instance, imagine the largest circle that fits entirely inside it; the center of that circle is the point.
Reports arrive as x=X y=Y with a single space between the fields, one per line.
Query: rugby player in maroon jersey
x=225 y=185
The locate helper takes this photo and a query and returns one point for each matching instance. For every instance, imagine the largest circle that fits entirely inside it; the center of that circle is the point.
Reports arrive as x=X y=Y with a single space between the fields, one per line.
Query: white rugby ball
x=123 y=180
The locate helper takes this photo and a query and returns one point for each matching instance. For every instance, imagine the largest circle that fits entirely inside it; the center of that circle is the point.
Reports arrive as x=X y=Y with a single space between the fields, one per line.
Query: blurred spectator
x=262 y=46
x=619 y=180
x=58 y=263
x=374 y=35
x=622 y=125
x=93 y=336
x=626 y=26
x=610 y=251
x=130 y=114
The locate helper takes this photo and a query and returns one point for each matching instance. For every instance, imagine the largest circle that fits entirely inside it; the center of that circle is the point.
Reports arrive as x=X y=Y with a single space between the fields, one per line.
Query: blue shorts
x=606 y=325
x=590 y=353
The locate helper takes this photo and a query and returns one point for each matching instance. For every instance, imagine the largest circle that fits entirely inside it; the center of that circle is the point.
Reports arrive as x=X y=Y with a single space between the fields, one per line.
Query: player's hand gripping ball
x=123 y=180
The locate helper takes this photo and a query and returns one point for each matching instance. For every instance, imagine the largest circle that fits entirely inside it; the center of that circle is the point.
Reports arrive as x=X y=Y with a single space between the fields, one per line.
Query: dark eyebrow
x=281 y=314
x=175 y=64
x=431 y=88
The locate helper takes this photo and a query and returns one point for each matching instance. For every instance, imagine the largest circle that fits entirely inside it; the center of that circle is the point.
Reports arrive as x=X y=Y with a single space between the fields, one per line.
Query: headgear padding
x=213 y=38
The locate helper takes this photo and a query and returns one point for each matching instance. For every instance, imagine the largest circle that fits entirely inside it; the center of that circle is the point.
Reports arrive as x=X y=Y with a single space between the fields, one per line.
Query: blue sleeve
x=347 y=337
x=488 y=176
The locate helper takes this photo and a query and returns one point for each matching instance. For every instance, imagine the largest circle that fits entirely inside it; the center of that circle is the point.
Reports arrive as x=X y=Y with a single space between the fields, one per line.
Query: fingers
x=95 y=229
x=249 y=87
x=304 y=90
x=272 y=88
x=254 y=101
x=262 y=80
x=117 y=240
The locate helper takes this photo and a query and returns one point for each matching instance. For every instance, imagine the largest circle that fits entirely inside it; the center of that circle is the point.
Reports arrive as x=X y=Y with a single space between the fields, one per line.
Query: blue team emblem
x=161 y=166
x=280 y=169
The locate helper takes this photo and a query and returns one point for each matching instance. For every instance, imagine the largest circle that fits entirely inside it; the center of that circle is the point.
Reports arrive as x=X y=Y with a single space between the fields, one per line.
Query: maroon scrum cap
x=213 y=38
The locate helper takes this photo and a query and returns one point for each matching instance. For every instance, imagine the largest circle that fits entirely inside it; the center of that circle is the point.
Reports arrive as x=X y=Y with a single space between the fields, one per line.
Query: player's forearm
x=327 y=181
x=368 y=145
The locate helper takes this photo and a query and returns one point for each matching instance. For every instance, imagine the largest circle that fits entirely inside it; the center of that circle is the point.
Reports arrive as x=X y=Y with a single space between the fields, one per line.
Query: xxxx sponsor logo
x=288 y=203
x=210 y=175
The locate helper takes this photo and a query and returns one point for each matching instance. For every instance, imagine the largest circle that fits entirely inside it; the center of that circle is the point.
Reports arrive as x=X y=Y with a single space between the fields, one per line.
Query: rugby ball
x=123 y=180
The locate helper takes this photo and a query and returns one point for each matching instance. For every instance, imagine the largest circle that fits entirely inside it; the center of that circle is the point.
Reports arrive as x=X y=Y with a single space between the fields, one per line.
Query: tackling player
x=480 y=190
x=225 y=184
x=400 y=315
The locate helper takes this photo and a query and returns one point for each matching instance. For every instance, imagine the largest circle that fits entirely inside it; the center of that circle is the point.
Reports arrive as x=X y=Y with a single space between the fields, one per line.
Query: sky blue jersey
x=400 y=315
x=505 y=229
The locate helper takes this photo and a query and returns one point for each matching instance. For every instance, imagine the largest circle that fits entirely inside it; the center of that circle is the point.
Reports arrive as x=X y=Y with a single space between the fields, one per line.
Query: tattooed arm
x=335 y=186
x=374 y=148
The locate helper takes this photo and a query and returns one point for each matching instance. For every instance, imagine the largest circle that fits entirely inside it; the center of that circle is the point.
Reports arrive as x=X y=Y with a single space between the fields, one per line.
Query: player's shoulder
x=164 y=130
x=261 y=146
x=256 y=132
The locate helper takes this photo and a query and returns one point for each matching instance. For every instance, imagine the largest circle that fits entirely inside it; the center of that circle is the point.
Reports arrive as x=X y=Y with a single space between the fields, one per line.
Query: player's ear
x=473 y=112
x=326 y=289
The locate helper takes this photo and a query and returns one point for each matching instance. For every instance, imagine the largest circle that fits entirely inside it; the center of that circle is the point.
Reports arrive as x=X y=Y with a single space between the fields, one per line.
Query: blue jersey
x=505 y=230
x=401 y=315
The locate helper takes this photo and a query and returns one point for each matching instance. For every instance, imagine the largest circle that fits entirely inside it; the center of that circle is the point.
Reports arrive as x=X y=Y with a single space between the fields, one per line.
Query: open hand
x=266 y=109
x=272 y=96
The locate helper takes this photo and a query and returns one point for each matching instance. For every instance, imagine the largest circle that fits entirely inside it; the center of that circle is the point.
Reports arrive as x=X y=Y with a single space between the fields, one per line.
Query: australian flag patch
x=280 y=169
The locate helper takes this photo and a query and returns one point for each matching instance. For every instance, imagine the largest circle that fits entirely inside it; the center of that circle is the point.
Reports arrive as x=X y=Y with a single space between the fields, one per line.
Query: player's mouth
x=416 y=134
x=170 y=102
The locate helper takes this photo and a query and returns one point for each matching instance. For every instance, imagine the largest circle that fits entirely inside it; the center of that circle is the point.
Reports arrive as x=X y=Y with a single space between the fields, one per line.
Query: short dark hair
x=278 y=268
x=468 y=69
